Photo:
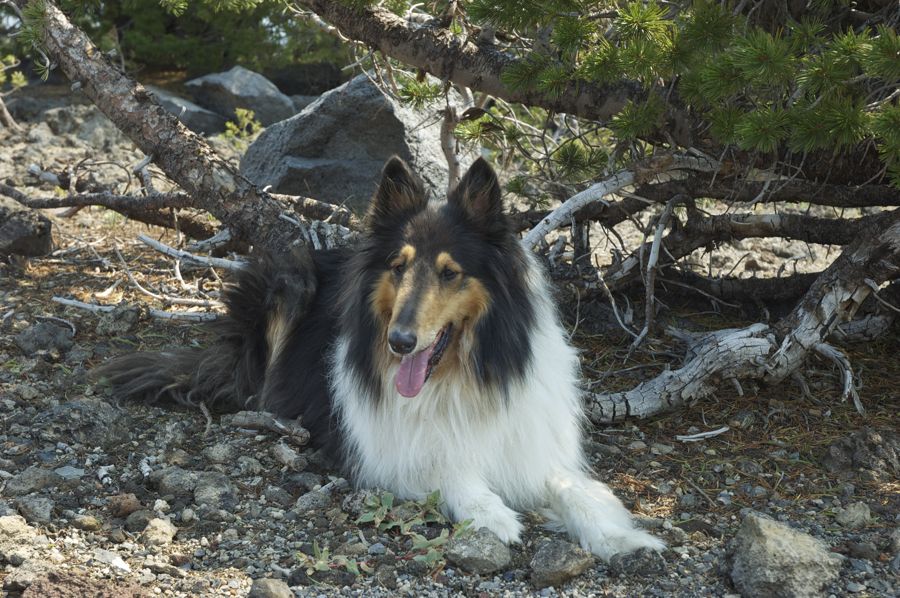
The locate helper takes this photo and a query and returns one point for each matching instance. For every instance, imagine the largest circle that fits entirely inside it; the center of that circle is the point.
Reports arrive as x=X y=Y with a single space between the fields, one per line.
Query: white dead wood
x=701 y=435
x=212 y=262
x=770 y=353
x=843 y=363
x=624 y=178
x=188 y=316
x=263 y=420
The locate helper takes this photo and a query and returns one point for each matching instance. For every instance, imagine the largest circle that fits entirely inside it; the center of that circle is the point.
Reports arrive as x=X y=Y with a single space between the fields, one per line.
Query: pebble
x=68 y=472
x=137 y=521
x=855 y=587
x=312 y=501
x=216 y=491
x=36 y=509
x=640 y=563
x=123 y=505
x=637 y=445
x=557 y=561
x=88 y=523
x=854 y=516
x=31 y=480
x=220 y=452
x=158 y=532
x=376 y=549
x=111 y=558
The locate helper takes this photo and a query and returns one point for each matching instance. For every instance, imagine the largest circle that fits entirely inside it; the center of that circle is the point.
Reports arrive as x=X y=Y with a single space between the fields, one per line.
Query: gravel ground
x=105 y=498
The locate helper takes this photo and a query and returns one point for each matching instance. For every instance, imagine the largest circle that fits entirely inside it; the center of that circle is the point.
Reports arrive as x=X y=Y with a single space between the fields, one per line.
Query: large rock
x=241 y=88
x=194 y=117
x=771 y=559
x=87 y=421
x=335 y=148
x=23 y=231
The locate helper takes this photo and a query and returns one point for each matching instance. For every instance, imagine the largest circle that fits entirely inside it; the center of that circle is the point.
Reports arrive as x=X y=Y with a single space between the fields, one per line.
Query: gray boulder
x=335 y=148
x=771 y=559
x=194 y=117
x=241 y=88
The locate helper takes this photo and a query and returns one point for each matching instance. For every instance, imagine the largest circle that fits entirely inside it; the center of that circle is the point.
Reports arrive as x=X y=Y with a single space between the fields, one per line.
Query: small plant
x=322 y=560
x=243 y=129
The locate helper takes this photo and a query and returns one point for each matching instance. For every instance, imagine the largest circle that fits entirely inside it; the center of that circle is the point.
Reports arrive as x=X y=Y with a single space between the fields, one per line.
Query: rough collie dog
x=431 y=358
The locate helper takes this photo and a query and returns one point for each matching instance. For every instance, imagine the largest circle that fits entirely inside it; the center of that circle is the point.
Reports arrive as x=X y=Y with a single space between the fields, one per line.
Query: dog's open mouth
x=416 y=368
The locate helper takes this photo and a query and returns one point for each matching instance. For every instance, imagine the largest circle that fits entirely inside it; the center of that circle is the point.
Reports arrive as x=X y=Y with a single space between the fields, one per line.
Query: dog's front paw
x=605 y=544
x=504 y=522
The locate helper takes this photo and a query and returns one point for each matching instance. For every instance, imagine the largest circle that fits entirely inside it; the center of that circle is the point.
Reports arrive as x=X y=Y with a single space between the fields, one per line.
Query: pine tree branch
x=436 y=50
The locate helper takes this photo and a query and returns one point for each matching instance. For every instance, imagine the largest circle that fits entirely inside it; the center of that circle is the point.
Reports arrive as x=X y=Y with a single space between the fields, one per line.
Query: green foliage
x=809 y=84
x=381 y=512
x=202 y=36
x=243 y=129
x=419 y=93
x=637 y=119
x=8 y=74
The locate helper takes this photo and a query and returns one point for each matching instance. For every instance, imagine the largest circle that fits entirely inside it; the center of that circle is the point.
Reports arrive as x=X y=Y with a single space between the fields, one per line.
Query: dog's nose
x=402 y=341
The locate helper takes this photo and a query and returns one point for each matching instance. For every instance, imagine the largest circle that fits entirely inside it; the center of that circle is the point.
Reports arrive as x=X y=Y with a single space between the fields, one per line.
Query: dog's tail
x=268 y=299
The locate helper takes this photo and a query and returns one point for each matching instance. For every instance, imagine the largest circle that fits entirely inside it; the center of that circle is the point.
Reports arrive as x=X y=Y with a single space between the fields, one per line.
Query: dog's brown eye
x=398 y=269
x=448 y=274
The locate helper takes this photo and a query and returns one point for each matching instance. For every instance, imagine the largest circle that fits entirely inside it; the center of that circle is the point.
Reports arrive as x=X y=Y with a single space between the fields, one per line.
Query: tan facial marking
x=383 y=296
x=445 y=260
x=405 y=256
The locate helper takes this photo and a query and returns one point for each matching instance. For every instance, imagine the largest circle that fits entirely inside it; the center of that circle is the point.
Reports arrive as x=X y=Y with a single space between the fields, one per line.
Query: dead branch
x=188 y=316
x=212 y=262
x=755 y=352
x=263 y=420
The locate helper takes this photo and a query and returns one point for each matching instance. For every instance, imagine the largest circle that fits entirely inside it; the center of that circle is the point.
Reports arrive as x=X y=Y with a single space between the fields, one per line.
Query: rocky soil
x=800 y=497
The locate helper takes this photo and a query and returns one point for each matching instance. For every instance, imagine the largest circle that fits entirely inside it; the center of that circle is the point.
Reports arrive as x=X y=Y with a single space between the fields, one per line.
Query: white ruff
x=488 y=455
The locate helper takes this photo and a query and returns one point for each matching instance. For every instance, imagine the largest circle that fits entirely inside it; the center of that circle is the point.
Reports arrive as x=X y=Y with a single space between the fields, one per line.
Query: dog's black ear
x=399 y=193
x=478 y=194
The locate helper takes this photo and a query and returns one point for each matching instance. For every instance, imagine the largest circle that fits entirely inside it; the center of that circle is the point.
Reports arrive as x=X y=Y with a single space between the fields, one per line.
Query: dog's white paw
x=500 y=519
x=606 y=544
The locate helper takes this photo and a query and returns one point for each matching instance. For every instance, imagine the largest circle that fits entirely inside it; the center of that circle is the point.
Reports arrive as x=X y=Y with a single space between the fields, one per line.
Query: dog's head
x=442 y=266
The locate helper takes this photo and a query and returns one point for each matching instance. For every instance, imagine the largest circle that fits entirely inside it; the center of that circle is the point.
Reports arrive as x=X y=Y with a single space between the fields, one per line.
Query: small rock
x=46 y=336
x=87 y=523
x=31 y=480
x=658 y=448
x=174 y=480
x=855 y=587
x=36 y=509
x=120 y=321
x=557 y=561
x=68 y=472
x=137 y=521
x=643 y=562
x=158 y=532
x=855 y=516
x=376 y=549
x=112 y=559
x=895 y=541
x=637 y=445
x=216 y=491
x=289 y=457
x=270 y=588
x=771 y=559
x=249 y=465
x=312 y=501
x=220 y=452
x=480 y=552
x=864 y=550
x=188 y=515
x=123 y=505
x=278 y=495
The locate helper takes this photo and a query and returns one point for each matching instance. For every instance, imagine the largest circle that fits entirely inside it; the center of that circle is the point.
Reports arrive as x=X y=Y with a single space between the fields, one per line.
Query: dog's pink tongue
x=411 y=375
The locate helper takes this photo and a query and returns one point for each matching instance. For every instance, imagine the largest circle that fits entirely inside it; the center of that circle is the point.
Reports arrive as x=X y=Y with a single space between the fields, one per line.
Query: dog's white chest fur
x=488 y=454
